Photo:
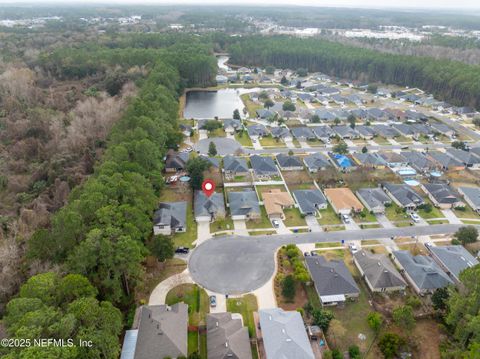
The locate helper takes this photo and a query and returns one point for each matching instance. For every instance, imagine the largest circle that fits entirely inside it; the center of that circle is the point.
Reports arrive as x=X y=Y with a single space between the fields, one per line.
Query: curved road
x=236 y=265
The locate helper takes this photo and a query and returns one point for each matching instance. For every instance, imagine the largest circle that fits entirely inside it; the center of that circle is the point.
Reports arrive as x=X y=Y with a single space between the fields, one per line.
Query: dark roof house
x=227 y=338
x=309 y=200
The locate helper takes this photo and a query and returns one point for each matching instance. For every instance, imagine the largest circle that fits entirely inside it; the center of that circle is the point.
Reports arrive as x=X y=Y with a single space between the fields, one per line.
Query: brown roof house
x=161 y=333
x=343 y=200
x=275 y=201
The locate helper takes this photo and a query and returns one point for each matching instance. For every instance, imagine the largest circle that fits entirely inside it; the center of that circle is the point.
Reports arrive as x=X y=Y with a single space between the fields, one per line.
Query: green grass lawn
x=437 y=221
x=340 y=227
x=434 y=213
x=221 y=224
x=245 y=305
x=262 y=222
x=403 y=139
x=370 y=226
x=293 y=217
x=262 y=233
x=328 y=216
x=381 y=140
x=395 y=213
x=269 y=141
x=312 y=295
x=202 y=346
x=328 y=244
x=192 y=342
x=186 y=239
x=196 y=298
x=251 y=106
x=369 y=217
x=468 y=212
x=243 y=139
x=219 y=132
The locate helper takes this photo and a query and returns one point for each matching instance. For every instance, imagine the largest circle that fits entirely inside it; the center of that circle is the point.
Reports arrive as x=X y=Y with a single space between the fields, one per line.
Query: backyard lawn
x=185 y=239
x=260 y=189
x=293 y=218
x=263 y=222
x=196 y=299
x=328 y=216
x=251 y=106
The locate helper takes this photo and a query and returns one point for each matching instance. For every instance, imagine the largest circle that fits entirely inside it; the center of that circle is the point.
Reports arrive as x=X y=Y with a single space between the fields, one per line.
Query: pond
x=208 y=104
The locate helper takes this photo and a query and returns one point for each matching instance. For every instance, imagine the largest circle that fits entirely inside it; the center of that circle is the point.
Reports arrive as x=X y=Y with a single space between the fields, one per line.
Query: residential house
x=227 y=338
x=369 y=159
x=244 y=204
x=257 y=131
x=281 y=133
x=332 y=280
x=170 y=218
x=309 y=201
x=365 y=132
x=275 y=201
x=421 y=130
x=374 y=199
x=175 y=161
x=419 y=161
x=471 y=195
x=289 y=163
x=421 y=272
x=393 y=159
x=345 y=132
x=265 y=114
x=404 y=129
x=316 y=161
x=186 y=129
x=443 y=129
x=442 y=195
x=452 y=259
x=208 y=208
x=375 y=114
x=379 y=272
x=343 y=200
x=161 y=333
x=323 y=133
x=444 y=161
x=234 y=166
x=263 y=167
x=359 y=113
x=325 y=115
x=403 y=195
x=303 y=133
x=232 y=125
x=385 y=131
x=468 y=158
x=282 y=335
x=214 y=161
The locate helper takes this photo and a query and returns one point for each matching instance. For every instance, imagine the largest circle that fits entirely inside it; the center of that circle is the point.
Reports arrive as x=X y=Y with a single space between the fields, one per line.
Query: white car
x=275 y=223
x=346 y=218
x=353 y=247
x=415 y=217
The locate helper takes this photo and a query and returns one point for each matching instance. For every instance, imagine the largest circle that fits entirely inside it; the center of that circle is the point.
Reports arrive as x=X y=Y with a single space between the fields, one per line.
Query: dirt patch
x=293 y=178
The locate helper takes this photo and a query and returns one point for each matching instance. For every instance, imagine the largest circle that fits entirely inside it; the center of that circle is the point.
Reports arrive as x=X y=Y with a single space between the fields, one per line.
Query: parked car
x=353 y=247
x=213 y=301
x=306 y=254
x=346 y=218
x=275 y=223
x=313 y=253
x=415 y=217
x=182 y=250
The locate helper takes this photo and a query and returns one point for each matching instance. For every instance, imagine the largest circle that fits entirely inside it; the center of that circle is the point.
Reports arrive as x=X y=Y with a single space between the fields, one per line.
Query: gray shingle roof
x=423 y=270
x=442 y=193
x=316 y=161
x=263 y=165
x=309 y=199
x=176 y=159
x=279 y=132
x=418 y=160
x=444 y=160
x=322 y=131
x=454 y=258
x=386 y=131
x=284 y=335
x=162 y=331
x=331 y=277
x=379 y=270
x=404 y=194
x=472 y=194
x=302 y=132
x=209 y=206
x=288 y=161
x=344 y=131
x=466 y=157
x=257 y=130
x=370 y=159
x=234 y=164
x=373 y=197
x=227 y=338
x=243 y=203
x=365 y=130
x=231 y=122
x=173 y=214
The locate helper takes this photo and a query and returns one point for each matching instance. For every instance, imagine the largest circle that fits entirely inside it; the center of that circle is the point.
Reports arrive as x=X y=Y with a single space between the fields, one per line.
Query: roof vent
x=216 y=323
x=288 y=340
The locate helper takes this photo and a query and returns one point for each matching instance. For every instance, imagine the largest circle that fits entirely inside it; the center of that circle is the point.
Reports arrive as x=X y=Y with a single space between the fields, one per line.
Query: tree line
x=450 y=81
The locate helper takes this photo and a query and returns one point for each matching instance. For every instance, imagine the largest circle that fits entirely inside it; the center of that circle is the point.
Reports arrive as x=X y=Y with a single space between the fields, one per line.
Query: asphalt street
x=237 y=264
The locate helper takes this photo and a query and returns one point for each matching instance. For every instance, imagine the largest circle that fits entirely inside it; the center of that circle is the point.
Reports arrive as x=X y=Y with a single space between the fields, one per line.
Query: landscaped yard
x=368 y=217
x=381 y=140
x=266 y=188
x=293 y=218
x=434 y=213
x=185 y=239
x=196 y=299
x=395 y=213
x=222 y=224
x=269 y=141
x=298 y=179
x=251 y=106
x=245 y=305
x=467 y=212
x=243 y=139
x=263 y=222
x=219 y=132
x=328 y=216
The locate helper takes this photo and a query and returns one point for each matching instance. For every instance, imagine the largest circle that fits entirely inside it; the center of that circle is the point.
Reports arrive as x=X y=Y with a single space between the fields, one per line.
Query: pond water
x=208 y=104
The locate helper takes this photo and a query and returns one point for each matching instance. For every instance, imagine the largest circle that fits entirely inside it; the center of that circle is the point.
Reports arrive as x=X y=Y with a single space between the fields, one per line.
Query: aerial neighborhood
x=364 y=174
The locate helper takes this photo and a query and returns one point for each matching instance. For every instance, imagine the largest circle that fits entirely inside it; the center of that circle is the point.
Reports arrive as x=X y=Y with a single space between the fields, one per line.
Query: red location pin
x=208 y=187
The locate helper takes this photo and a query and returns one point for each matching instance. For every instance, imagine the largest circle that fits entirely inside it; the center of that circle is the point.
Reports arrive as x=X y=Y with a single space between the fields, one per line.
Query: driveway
x=351 y=225
x=256 y=144
x=221 y=306
x=240 y=227
x=203 y=232
x=282 y=228
x=289 y=144
x=237 y=265
x=159 y=293
x=384 y=221
x=313 y=224
x=303 y=144
x=452 y=218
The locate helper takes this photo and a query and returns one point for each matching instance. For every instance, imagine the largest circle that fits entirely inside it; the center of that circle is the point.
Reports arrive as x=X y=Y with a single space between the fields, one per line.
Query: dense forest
x=451 y=81
x=103 y=233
